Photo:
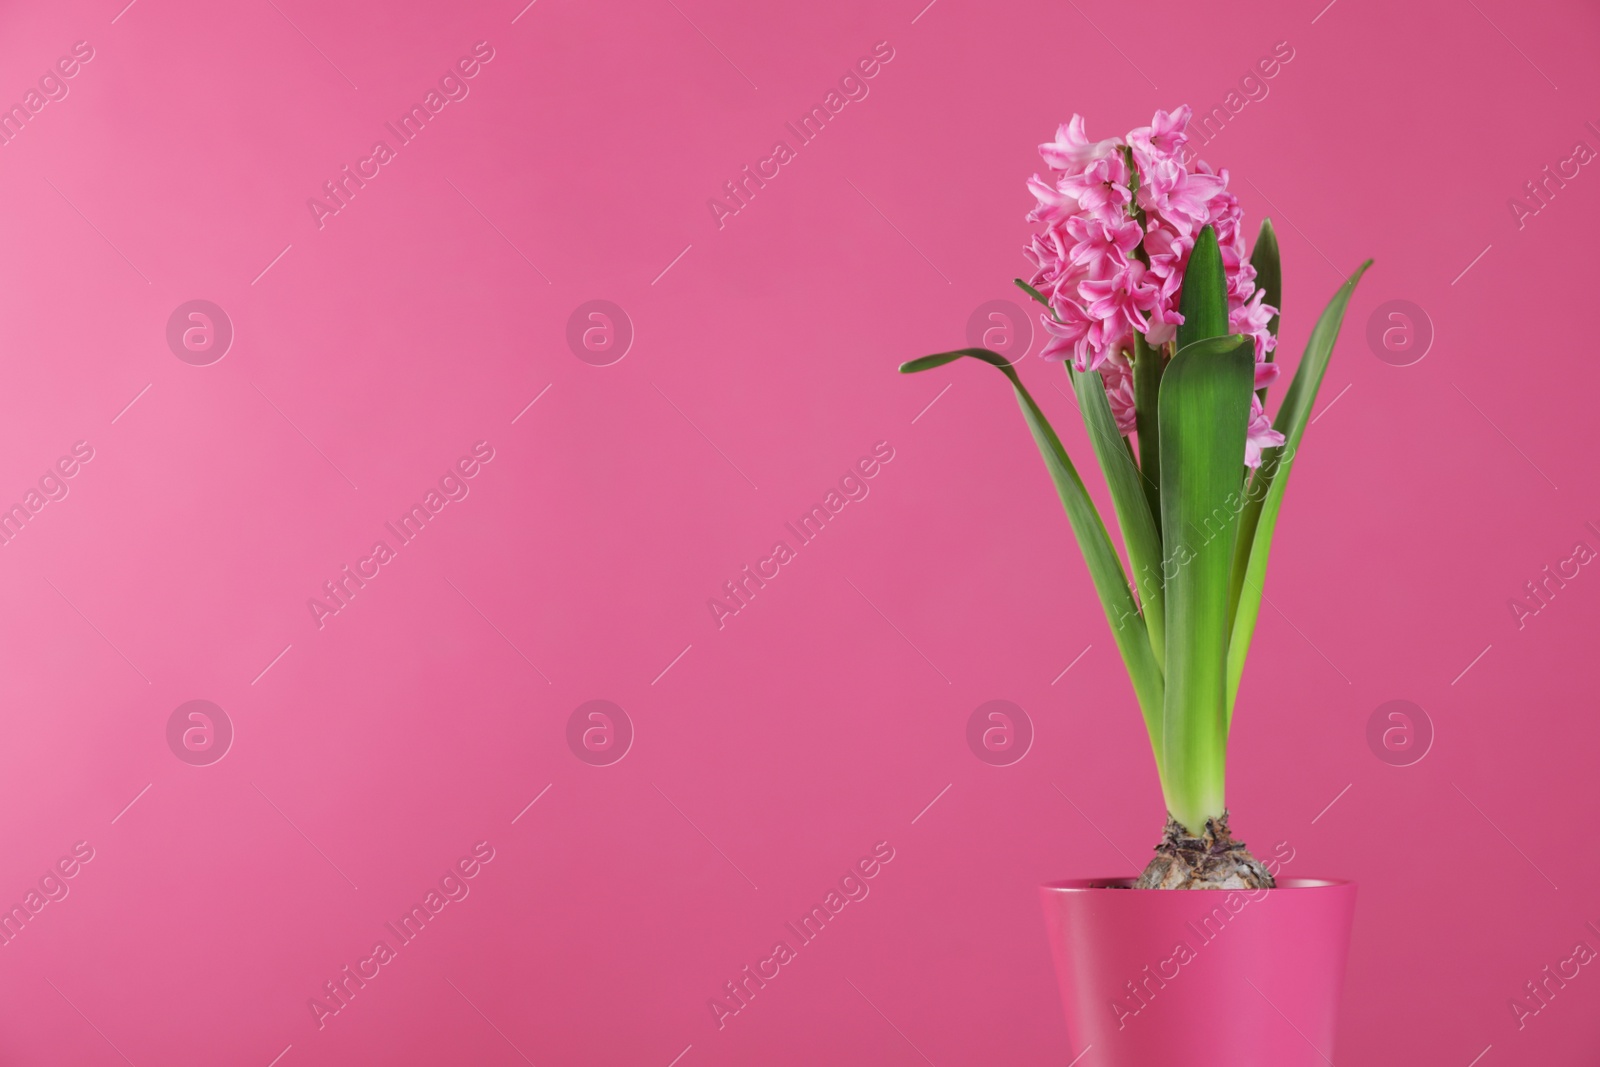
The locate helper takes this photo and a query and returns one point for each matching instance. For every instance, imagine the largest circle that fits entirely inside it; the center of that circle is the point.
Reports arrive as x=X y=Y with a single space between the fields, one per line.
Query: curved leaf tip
x=939 y=359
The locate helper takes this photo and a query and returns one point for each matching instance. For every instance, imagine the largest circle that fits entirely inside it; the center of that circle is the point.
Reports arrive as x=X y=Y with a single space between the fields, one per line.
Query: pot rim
x=1086 y=885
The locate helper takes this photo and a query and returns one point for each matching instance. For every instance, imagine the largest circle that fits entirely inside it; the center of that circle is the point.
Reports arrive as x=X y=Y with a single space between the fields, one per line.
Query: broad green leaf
x=1203 y=302
x=1127 y=486
x=1264 y=495
x=1269 y=278
x=1105 y=566
x=1205 y=407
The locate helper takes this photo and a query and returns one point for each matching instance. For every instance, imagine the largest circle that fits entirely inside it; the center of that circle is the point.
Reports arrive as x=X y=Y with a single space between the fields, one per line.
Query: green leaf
x=1203 y=303
x=1269 y=278
x=1205 y=408
x=1147 y=366
x=1264 y=495
x=1105 y=566
x=1031 y=291
x=1127 y=484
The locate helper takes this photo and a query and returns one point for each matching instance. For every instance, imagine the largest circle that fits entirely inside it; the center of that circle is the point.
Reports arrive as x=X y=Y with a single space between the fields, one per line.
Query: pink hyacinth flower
x=1124 y=295
x=1102 y=248
x=1072 y=150
x=1260 y=434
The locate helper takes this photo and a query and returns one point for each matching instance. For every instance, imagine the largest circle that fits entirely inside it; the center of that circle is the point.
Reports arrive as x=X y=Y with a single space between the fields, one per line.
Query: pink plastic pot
x=1200 y=977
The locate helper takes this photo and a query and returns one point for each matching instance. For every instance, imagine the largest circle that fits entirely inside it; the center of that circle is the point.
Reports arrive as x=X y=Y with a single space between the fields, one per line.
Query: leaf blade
x=1099 y=554
x=1128 y=497
x=1260 y=518
x=1205 y=408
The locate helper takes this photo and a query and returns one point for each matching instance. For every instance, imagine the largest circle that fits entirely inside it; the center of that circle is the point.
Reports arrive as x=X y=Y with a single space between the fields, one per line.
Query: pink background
x=423 y=718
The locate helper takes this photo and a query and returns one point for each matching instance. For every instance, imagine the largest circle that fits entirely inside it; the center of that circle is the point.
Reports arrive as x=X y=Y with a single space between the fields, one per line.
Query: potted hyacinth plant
x=1168 y=326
